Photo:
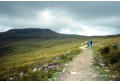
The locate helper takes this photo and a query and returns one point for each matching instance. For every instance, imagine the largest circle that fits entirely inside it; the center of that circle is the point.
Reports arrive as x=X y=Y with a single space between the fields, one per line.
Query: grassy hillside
x=23 y=49
x=33 y=33
x=26 y=49
x=29 y=53
x=107 y=58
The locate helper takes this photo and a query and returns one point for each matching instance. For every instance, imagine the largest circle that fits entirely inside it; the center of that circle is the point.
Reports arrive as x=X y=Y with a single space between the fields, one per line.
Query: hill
x=24 y=49
x=10 y=40
x=32 y=33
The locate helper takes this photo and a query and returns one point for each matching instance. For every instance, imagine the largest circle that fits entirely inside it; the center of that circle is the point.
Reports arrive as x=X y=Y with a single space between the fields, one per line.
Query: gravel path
x=81 y=68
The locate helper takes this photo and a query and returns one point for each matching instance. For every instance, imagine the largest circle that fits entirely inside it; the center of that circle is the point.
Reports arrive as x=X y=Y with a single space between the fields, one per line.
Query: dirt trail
x=81 y=68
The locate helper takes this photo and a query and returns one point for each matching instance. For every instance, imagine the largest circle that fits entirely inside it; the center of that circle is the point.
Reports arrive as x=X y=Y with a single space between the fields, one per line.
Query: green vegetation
x=51 y=74
x=40 y=75
x=107 y=58
x=26 y=49
x=24 y=55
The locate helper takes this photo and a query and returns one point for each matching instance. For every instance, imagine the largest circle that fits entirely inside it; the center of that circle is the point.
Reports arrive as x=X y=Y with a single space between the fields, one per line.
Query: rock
x=64 y=70
x=11 y=78
x=39 y=68
x=57 y=58
x=97 y=67
x=94 y=75
x=45 y=67
x=34 y=69
x=114 y=76
x=66 y=64
x=73 y=73
x=104 y=75
x=49 y=67
x=107 y=70
x=102 y=65
x=21 y=74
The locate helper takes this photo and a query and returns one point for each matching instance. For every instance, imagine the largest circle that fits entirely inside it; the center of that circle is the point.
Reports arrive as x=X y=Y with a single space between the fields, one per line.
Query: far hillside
x=21 y=50
x=33 y=33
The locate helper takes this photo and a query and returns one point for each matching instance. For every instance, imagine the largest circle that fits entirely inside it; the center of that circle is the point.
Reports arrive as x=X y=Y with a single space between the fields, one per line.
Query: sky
x=75 y=17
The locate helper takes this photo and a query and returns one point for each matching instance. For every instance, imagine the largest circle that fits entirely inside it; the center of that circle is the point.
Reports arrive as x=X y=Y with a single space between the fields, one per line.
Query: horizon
x=58 y=32
x=88 y=18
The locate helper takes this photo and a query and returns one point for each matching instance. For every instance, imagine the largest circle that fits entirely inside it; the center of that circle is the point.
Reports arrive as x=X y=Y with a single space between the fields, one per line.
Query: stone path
x=81 y=68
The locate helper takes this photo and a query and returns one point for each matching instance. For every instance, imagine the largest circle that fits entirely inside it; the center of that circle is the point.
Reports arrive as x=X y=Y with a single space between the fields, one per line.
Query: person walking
x=90 y=44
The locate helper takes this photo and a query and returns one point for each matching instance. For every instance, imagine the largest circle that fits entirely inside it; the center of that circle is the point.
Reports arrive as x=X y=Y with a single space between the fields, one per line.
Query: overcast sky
x=83 y=18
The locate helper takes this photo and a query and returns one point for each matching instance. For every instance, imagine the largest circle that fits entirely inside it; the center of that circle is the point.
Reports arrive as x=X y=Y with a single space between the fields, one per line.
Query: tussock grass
x=25 y=55
x=51 y=74
x=40 y=75
x=30 y=54
x=107 y=58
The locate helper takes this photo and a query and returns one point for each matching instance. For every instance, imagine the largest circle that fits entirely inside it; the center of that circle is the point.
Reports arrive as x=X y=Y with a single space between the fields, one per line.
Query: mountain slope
x=23 y=49
x=36 y=33
x=32 y=33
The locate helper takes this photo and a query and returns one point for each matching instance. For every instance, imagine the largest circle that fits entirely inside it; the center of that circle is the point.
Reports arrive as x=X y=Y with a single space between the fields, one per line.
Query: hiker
x=90 y=44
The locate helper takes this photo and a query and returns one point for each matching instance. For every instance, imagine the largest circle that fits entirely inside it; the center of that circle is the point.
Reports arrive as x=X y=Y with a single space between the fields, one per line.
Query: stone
x=34 y=69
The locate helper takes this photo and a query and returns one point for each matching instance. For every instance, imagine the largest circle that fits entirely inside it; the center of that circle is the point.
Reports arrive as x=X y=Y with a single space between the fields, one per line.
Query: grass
x=40 y=75
x=27 y=55
x=51 y=74
x=107 y=58
x=24 y=55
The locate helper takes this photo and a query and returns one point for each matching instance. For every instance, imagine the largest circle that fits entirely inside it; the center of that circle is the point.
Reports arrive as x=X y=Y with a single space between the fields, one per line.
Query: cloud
x=3 y=29
x=83 y=18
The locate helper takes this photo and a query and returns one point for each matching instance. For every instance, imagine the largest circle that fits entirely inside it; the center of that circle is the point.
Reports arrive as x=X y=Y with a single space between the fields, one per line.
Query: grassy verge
x=40 y=75
x=107 y=59
x=40 y=53
x=51 y=74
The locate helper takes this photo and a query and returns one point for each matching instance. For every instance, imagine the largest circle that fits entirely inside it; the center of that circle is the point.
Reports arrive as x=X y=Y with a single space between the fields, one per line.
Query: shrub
x=110 y=56
x=105 y=50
